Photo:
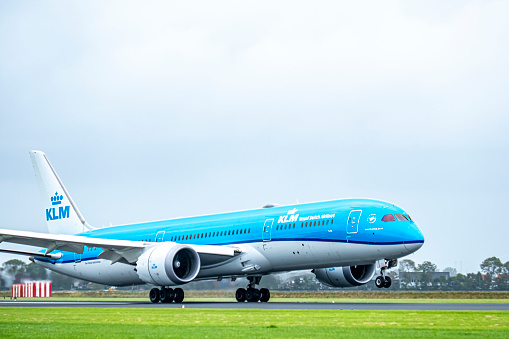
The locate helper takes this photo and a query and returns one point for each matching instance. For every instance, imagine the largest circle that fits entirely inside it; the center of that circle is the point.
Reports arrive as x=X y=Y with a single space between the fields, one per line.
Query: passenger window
x=229 y=232
x=401 y=217
x=301 y=224
x=249 y=230
x=388 y=217
x=327 y=222
x=241 y=231
x=285 y=227
x=331 y=221
x=314 y=224
x=293 y=225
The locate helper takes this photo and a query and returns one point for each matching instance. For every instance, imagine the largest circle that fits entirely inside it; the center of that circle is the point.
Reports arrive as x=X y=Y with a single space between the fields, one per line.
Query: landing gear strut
x=166 y=295
x=252 y=294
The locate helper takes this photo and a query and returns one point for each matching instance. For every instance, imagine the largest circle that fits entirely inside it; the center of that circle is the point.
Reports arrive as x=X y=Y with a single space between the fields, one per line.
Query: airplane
x=343 y=242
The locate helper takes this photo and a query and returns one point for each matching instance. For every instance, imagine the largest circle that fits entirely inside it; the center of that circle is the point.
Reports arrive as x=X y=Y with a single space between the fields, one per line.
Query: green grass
x=300 y=300
x=198 y=323
x=328 y=294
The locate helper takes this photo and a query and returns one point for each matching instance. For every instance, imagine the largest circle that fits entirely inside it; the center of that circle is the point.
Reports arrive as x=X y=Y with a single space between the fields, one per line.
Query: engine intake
x=168 y=264
x=346 y=276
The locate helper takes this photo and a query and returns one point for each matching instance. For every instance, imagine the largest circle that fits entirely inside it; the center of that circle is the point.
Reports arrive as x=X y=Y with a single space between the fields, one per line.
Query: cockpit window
x=388 y=217
x=401 y=217
x=408 y=216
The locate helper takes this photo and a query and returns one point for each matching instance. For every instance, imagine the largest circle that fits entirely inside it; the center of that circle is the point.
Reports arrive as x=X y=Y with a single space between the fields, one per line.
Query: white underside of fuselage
x=256 y=259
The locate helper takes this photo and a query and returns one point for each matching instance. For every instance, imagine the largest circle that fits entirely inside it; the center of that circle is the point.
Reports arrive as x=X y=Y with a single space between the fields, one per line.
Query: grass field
x=325 y=296
x=281 y=296
x=286 y=300
x=196 y=323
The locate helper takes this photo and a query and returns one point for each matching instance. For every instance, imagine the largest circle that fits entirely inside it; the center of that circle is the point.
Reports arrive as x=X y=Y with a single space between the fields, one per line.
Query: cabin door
x=352 y=225
x=267 y=229
x=160 y=236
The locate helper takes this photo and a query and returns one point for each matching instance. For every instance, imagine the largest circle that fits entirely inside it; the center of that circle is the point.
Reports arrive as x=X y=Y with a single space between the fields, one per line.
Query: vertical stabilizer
x=61 y=213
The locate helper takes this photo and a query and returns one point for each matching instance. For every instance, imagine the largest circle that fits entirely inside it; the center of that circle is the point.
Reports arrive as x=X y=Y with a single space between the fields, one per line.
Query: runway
x=267 y=306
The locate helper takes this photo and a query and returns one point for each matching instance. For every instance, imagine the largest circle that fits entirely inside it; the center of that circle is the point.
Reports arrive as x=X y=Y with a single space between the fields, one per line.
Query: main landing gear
x=166 y=295
x=252 y=294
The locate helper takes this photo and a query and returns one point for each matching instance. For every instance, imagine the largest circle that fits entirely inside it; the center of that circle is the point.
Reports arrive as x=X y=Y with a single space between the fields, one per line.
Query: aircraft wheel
x=379 y=281
x=178 y=295
x=252 y=295
x=264 y=295
x=154 y=295
x=240 y=295
x=166 y=295
x=387 y=282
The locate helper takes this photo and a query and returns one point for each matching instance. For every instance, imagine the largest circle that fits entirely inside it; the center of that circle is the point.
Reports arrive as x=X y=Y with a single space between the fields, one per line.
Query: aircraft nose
x=413 y=247
x=415 y=239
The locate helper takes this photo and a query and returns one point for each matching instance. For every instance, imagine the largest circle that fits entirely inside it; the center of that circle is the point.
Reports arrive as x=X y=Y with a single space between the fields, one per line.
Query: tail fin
x=62 y=214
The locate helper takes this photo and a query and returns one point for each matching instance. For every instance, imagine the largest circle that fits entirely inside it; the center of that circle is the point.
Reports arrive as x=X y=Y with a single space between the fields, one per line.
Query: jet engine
x=346 y=276
x=168 y=264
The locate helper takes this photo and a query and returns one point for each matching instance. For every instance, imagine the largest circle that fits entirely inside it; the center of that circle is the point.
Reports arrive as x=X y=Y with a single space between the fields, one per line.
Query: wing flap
x=127 y=249
x=124 y=251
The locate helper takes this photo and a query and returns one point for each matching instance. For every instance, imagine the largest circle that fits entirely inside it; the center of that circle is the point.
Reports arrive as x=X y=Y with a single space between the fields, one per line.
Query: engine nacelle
x=346 y=276
x=168 y=264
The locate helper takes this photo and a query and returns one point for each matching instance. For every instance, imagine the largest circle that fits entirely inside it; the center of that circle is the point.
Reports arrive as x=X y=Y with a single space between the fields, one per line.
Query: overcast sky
x=153 y=110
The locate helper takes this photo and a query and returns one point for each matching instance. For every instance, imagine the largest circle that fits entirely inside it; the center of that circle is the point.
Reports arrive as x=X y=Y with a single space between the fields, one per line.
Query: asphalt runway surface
x=267 y=306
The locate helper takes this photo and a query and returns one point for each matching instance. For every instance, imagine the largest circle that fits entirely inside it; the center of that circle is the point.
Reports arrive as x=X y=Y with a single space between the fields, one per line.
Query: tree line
x=493 y=276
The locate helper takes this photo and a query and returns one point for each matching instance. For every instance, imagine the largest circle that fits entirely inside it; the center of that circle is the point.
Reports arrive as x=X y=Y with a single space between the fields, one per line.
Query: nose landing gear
x=383 y=280
x=252 y=294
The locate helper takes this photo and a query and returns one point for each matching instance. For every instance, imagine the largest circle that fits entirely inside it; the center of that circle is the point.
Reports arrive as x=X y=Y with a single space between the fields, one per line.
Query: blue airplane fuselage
x=327 y=233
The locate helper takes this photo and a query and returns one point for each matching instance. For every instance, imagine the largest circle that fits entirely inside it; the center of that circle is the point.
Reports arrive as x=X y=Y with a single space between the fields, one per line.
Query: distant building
x=414 y=279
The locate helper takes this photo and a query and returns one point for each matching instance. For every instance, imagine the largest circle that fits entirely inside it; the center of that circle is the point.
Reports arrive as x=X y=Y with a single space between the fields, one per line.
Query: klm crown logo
x=57 y=199
x=63 y=211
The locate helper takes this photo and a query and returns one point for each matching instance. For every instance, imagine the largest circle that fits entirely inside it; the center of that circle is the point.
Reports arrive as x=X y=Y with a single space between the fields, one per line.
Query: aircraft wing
x=125 y=251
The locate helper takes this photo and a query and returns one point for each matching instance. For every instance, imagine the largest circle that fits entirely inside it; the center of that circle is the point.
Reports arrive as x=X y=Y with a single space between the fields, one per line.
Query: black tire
x=178 y=295
x=240 y=295
x=154 y=295
x=252 y=295
x=257 y=294
x=379 y=281
x=264 y=295
x=388 y=282
x=166 y=295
